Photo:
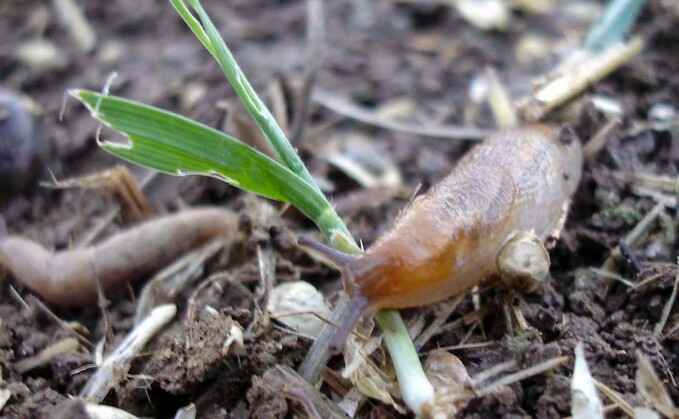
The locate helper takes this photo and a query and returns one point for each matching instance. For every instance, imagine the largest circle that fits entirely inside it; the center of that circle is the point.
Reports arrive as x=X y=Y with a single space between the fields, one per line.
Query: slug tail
x=357 y=307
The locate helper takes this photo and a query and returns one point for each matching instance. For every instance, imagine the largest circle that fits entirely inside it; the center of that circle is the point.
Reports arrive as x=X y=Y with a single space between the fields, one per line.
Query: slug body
x=69 y=278
x=448 y=240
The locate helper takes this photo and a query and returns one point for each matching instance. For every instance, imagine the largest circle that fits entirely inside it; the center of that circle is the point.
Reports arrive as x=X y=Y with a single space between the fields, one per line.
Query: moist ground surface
x=416 y=58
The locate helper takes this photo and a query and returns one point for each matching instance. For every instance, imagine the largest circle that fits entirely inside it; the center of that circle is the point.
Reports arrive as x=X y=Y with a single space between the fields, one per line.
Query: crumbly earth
x=419 y=55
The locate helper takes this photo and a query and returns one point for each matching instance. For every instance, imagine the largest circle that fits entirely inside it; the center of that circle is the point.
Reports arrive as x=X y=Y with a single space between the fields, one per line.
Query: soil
x=418 y=51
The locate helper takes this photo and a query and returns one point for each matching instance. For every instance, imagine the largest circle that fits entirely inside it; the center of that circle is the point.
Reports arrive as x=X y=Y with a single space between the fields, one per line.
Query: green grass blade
x=266 y=122
x=207 y=33
x=176 y=145
x=614 y=23
x=193 y=24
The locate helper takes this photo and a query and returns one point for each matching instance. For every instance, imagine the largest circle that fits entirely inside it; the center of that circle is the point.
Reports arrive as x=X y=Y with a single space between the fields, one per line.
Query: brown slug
x=69 y=277
x=448 y=239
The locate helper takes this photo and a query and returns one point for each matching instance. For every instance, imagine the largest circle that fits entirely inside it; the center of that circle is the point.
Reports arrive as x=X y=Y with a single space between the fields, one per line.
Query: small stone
x=22 y=148
x=523 y=262
x=292 y=301
x=41 y=55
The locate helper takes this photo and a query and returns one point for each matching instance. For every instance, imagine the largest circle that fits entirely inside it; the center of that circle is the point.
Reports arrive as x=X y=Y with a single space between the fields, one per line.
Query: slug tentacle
x=340 y=260
x=357 y=307
x=352 y=267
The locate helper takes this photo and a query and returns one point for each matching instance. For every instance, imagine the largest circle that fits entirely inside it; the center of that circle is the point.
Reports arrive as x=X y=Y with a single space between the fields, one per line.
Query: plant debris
x=397 y=75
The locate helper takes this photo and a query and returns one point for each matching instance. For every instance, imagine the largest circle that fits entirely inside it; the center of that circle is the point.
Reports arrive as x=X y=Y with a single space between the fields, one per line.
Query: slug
x=448 y=239
x=67 y=278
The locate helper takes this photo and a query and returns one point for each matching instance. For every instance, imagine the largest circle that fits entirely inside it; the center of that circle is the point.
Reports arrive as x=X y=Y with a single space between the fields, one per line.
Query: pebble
x=22 y=147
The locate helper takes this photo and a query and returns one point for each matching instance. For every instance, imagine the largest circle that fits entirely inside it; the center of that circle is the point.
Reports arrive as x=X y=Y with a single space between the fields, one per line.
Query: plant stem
x=415 y=387
x=266 y=122
x=329 y=222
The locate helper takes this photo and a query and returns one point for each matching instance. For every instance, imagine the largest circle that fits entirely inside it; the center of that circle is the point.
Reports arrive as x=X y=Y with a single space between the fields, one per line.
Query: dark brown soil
x=376 y=52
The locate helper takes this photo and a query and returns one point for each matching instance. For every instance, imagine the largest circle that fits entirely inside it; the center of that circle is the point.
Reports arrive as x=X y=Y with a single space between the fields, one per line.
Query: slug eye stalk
x=336 y=257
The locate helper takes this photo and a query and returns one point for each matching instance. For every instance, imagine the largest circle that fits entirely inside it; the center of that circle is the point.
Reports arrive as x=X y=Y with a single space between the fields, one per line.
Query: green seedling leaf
x=613 y=24
x=176 y=145
x=193 y=24
x=208 y=35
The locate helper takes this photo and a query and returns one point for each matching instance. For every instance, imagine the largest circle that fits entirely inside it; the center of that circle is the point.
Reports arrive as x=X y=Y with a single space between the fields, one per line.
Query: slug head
x=358 y=304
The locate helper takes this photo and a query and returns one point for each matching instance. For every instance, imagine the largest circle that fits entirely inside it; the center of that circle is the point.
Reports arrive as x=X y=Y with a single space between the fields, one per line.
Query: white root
x=115 y=366
x=43 y=357
x=99 y=411
x=586 y=403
